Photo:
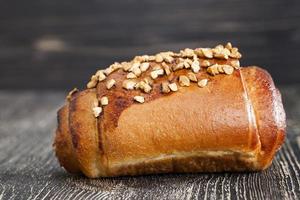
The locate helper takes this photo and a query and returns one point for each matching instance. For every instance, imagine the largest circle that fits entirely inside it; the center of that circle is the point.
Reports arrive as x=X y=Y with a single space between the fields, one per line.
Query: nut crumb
x=158 y=58
x=173 y=87
x=93 y=82
x=104 y=101
x=202 y=83
x=166 y=68
x=165 y=87
x=235 y=53
x=184 y=81
x=131 y=75
x=207 y=52
x=235 y=64
x=97 y=111
x=192 y=76
x=195 y=66
x=178 y=66
x=228 y=46
x=128 y=84
x=69 y=96
x=205 y=63
x=137 y=71
x=101 y=76
x=213 y=70
x=151 y=58
x=110 y=83
x=144 y=66
x=139 y=99
x=154 y=74
x=228 y=69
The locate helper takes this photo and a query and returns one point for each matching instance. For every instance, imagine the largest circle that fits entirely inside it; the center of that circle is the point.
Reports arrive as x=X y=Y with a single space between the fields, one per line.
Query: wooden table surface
x=29 y=170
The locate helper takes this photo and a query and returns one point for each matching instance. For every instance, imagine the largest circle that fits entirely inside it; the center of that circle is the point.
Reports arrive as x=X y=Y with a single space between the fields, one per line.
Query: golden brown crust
x=63 y=142
x=235 y=123
x=269 y=112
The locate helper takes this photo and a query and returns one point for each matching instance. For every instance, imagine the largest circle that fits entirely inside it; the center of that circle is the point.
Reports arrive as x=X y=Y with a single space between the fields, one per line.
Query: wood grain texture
x=29 y=170
x=59 y=44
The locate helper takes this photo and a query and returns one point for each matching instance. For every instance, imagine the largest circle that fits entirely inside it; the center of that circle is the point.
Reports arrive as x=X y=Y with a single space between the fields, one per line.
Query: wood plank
x=29 y=170
x=59 y=44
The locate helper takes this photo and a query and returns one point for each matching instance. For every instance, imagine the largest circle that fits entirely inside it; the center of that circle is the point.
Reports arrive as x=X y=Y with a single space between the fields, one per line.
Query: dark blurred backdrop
x=56 y=44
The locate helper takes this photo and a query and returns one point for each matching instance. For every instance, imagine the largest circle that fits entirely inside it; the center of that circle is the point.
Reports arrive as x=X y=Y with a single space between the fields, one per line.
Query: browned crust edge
x=269 y=112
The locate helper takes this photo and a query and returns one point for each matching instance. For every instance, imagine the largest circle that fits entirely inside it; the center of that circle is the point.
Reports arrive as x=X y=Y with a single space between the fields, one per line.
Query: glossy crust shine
x=236 y=123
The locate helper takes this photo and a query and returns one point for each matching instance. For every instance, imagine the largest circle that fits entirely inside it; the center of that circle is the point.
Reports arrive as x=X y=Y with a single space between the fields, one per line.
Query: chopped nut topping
x=141 y=58
x=221 y=52
x=144 y=66
x=187 y=52
x=235 y=64
x=156 y=67
x=93 y=82
x=151 y=58
x=220 y=68
x=192 y=77
x=100 y=74
x=205 y=63
x=97 y=111
x=166 y=68
x=144 y=86
x=131 y=75
x=228 y=46
x=187 y=63
x=104 y=101
x=113 y=68
x=165 y=87
x=184 y=81
x=134 y=66
x=207 y=52
x=187 y=58
x=178 y=66
x=69 y=96
x=173 y=87
x=202 y=83
x=148 y=81
x=213 y=70
x=147 y=88
x=137 y=71
x=126 y=66
x=158 y=58
x=110 y=83
x=167 y=58
x=139 y=99
x=235 y=53
x=228 y=69
x=128 y=84
x=154 y=74
x=195 y=66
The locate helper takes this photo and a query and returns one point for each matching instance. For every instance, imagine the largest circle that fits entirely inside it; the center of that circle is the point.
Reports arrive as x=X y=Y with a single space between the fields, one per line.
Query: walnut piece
x=144 y=66
x=165 y=87
x=154 y=74
x=104 y=101
x=184 y=81
x=173 y=87
x=228 y=69
x=139 y=99
x=202 y=83
x=131 y=75
x=97 y=111
x=128 y=84
x=192 y=76
x=110 y=83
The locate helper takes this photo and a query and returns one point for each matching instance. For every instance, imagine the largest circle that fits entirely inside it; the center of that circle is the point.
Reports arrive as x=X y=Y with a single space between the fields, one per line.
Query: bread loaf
x=192 y=111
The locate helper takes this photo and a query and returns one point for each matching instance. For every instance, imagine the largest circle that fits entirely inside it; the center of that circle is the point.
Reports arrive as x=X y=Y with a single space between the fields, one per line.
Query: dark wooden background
x=58 y=44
